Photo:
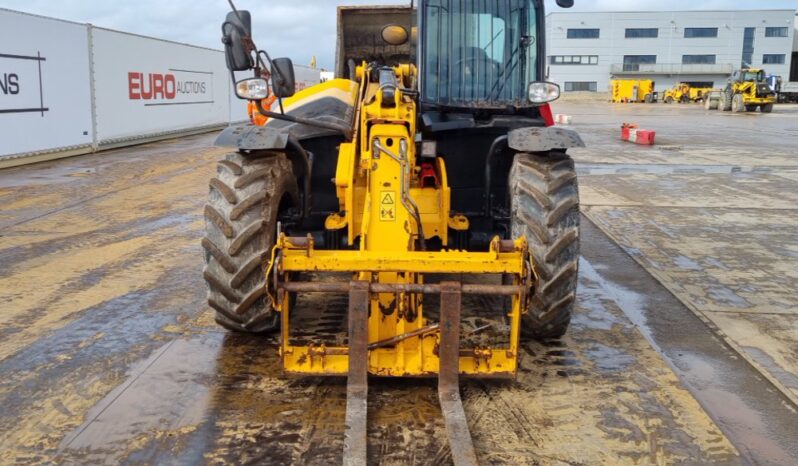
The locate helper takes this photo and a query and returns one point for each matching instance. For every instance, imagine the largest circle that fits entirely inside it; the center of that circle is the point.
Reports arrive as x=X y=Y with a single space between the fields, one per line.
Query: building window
x=584 y=33
x=642 y=33
x=773 y=59
x=585 y=86
x=633 y=62
x=700 y=32
x=748 y=47
x=776 y=32
x=698 y=59
x=573 y=60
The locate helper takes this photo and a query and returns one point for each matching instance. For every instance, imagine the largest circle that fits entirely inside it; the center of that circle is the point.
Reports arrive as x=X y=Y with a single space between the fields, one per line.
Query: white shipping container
x=45 y=94
x=74 y=88
x=306 y=77
x=146 y=87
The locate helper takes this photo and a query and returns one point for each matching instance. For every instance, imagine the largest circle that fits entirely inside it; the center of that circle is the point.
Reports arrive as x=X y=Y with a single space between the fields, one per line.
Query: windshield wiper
x=509 y=69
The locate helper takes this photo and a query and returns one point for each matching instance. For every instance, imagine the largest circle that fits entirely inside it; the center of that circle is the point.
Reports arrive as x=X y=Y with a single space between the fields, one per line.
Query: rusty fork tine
x=355 y=440
x=460 y=442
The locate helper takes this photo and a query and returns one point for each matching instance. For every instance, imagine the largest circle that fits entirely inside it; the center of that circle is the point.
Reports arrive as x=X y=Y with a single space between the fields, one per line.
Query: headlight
x=541 y=92
x=252 y=89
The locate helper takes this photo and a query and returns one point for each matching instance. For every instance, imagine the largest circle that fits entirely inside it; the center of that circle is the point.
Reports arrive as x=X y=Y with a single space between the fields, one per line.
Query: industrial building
x=588 y=49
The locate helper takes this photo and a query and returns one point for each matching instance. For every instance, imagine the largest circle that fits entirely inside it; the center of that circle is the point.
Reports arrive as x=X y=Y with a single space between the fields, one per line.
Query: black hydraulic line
x=494 y=149
x=306 y=188
x=346 y=131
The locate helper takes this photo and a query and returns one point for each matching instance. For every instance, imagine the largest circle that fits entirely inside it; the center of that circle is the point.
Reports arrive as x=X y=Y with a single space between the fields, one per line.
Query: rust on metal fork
x=460 y=442
x=355 y=440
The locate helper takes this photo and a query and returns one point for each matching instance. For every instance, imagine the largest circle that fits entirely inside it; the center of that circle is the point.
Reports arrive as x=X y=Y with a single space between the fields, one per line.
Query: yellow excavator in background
x=746 y=91
x=431 y=158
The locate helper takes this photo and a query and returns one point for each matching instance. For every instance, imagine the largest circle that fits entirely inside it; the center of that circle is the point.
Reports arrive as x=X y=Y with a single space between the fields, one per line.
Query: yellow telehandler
x=431 y=158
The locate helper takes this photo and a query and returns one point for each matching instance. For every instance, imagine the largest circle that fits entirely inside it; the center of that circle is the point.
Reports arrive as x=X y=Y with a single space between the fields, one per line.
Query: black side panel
x=466 y=154
x=325 y=159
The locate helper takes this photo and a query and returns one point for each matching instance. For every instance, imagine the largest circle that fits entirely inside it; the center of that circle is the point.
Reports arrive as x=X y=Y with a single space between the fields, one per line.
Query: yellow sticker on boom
x=388 y=206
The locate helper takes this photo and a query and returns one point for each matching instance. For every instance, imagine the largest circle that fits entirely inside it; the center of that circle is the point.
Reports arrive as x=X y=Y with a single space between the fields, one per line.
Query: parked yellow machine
x=633 y=91
x=685 y=93
x=747 y=91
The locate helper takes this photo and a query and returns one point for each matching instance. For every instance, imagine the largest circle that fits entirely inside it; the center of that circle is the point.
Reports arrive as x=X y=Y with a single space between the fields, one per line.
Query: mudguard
x=542 y=139
x=330 y=102
x=251 y=137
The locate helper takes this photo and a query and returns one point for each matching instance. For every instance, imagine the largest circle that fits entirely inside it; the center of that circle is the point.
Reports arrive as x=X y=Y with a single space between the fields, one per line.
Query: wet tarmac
x=711 y=213
x=109 y=354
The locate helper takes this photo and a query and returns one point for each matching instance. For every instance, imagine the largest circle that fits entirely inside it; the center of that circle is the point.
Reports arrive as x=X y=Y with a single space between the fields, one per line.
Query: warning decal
x=387 y=206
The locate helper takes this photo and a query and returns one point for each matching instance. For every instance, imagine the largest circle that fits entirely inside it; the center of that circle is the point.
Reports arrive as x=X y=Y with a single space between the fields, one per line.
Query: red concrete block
x=643 y=137
x=630 y=133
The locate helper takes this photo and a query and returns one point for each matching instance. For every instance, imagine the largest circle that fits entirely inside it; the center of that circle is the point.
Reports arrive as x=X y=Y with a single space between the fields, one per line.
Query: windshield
x=753 y=76
x=478 y=52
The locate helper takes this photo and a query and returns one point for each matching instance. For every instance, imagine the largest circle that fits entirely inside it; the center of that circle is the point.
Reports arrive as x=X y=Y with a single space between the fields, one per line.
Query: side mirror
x=234 y=30
x=283 y=81
x=565 y=3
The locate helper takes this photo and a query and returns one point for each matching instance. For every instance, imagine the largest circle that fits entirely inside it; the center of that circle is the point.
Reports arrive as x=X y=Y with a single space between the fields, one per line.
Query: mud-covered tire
x=240 y=225
x=545 y=209
x=738 y=104
x=726 y=100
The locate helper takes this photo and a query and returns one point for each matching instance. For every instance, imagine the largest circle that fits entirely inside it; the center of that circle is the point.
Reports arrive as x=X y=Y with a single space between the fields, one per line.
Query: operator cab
x=749 y=75
x=479 y=54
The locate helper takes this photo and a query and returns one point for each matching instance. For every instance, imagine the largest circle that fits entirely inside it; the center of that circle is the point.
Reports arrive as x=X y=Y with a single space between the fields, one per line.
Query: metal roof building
x=587 y=49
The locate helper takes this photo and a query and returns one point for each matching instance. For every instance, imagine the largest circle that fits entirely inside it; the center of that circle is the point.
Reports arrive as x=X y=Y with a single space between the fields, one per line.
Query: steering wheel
x=462 y=61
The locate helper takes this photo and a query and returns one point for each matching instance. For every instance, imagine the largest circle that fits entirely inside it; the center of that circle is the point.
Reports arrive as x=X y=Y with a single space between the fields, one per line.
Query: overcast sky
x=298 y=29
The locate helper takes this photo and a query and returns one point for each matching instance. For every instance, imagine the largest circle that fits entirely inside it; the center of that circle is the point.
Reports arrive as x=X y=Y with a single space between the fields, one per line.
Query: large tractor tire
x=240 y=227
x=545 y=209
x=726 y=98
x=738 y=103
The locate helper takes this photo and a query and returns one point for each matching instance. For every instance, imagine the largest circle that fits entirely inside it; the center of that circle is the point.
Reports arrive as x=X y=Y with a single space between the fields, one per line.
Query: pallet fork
x=355 y=443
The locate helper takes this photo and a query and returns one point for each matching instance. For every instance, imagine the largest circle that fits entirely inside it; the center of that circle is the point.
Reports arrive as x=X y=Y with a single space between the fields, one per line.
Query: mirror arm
x=259 y=63
x=347 y=132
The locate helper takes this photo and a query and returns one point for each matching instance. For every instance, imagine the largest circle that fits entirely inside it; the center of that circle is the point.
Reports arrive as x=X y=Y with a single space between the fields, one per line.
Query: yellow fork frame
x=414 y=350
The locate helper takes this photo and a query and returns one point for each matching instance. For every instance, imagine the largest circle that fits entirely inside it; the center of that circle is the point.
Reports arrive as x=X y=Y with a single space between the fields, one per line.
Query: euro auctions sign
x=21 y=83
x=173 y=87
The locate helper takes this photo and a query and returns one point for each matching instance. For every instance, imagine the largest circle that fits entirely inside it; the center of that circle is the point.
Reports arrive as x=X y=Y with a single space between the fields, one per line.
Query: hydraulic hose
x=407 y=201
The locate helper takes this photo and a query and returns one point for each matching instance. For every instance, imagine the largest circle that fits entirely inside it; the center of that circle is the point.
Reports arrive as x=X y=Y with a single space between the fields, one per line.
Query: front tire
x=240 y=227
x=738 y=103
x=726 y=101
x=767 y=108
x=545 y=209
